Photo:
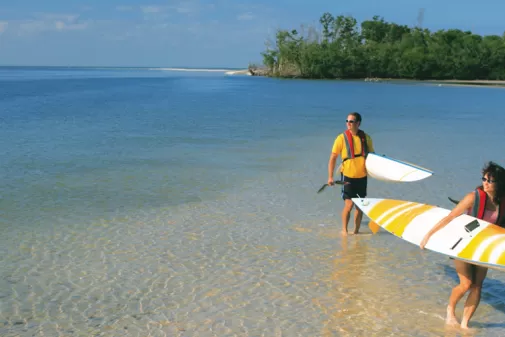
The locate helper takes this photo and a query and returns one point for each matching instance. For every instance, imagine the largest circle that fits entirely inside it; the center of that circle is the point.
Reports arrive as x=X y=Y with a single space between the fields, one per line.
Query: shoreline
x=466 y=83
x=209 y=70
x=469 y=83
x=262 y=72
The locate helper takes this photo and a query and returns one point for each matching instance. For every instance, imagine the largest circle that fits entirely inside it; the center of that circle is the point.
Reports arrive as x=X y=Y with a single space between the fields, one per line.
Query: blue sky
x=205 y=33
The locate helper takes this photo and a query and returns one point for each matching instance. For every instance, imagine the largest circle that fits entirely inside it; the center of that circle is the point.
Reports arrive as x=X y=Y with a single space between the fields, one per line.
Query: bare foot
x=451 y=318
x=344 y=233
x=355 y=232
x=464 y=326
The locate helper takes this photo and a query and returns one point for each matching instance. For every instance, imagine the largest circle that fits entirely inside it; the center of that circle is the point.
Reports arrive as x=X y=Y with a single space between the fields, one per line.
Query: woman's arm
x=459 y=209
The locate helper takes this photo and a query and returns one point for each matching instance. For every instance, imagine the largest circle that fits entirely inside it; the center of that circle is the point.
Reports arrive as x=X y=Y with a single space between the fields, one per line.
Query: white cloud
x=60 y=25
x=3 y=26
x=191 y=7
x=44 y=22
x=183 y=9
x=152 y=9
x=124 y=8
x=196 y=20
x=245 y=17
x=32 y=26
x=56 y=17
x=121 y=30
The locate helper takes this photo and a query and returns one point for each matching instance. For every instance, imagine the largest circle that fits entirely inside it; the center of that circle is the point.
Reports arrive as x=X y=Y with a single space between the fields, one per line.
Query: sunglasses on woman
x=488 y=180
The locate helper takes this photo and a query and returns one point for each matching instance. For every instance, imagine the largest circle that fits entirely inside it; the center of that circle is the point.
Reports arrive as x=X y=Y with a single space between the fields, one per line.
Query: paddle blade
x=373 y=227
x=322 y=188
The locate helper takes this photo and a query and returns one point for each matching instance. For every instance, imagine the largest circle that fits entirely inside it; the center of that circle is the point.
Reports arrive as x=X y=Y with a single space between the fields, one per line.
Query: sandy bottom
x=240 y=266
x=265 y=259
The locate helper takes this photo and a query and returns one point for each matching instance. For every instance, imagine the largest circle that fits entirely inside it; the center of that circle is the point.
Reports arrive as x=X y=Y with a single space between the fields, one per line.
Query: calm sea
x=147 y=202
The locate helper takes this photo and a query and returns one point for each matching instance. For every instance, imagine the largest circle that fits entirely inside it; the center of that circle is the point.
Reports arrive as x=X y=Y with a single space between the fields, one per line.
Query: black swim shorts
x=355 y=189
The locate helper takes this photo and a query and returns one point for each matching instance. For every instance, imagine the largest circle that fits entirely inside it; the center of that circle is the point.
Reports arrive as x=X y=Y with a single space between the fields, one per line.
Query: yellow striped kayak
x=465 y=238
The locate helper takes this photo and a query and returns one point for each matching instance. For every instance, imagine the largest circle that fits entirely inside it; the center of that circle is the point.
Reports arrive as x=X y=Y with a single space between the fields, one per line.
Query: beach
x=261 y=71
x=455 y=82
x=474 y=83
x=181 y=203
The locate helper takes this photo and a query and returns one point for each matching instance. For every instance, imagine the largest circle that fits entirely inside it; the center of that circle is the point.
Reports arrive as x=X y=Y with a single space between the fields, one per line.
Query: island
x=376 y=51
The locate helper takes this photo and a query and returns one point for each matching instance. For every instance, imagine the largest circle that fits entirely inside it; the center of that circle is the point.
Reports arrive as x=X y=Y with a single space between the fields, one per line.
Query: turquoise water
x=183 y=203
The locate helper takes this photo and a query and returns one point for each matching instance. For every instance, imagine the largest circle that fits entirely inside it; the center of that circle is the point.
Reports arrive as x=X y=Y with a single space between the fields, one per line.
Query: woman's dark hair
x=497 y=173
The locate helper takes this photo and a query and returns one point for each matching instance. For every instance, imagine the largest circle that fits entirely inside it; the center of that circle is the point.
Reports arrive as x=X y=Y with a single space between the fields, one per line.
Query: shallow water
x=146 y=215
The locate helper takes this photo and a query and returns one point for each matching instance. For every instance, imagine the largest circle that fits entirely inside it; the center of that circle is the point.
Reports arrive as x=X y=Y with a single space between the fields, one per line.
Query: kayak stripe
x=398 y=224
x=477 y=241
x=383 y=206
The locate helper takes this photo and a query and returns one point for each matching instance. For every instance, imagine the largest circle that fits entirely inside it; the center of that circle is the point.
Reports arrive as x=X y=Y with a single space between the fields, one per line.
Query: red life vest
x=349 y=145
x=479 y=205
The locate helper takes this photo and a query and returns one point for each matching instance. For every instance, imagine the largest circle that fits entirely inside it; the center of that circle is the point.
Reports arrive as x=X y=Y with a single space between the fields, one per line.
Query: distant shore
x=452 y=83
x=239 y=72
x=263 y=72
x=477 y=83
x=473 y=83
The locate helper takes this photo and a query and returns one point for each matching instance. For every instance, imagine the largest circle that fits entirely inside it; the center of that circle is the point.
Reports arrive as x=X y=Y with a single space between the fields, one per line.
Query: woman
x=485 y=203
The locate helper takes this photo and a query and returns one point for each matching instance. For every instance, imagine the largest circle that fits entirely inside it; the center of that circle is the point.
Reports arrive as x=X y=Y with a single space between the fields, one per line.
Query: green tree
x=377 y=48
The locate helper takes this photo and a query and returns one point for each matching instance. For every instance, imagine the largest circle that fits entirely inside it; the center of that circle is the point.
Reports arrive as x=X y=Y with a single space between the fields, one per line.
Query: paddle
x=336 y=182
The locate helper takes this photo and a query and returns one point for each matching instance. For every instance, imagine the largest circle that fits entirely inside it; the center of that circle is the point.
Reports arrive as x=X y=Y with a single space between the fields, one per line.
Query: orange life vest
x=479 y=206
x=349 y=145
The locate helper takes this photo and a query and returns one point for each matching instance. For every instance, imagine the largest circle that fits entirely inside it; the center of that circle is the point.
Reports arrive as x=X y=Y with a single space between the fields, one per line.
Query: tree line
x=380 y=49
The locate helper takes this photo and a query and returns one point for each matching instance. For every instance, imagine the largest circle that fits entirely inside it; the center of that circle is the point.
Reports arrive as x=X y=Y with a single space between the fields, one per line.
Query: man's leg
x=347 y=193
x=358 y=216
x=346 y=212
x=360 y=189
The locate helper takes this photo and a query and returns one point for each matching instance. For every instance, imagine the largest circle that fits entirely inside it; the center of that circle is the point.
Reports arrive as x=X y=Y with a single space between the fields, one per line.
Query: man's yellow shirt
x=352 y=168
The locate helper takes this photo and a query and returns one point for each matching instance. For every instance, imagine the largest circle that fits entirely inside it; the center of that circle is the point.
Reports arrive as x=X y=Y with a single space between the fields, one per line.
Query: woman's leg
x=472 y=302
x=464 y=271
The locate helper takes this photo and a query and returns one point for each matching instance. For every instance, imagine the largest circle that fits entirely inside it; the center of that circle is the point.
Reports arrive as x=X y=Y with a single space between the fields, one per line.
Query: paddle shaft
x=336 y=182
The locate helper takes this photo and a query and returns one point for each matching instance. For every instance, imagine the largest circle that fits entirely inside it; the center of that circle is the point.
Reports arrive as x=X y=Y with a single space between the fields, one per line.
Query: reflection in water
x=369 y=291
x=345 y=284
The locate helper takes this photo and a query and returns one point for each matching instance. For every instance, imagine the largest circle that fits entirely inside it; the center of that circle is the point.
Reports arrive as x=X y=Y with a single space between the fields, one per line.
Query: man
x=353 y=145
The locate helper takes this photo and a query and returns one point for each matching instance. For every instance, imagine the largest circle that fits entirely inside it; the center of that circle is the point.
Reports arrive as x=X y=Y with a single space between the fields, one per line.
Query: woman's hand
x=460 y=208
x=425 y=241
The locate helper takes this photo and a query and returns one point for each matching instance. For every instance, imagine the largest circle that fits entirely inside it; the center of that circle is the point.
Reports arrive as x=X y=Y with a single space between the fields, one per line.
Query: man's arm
x=335 y=150
x=370 y=144
x=331 y=166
